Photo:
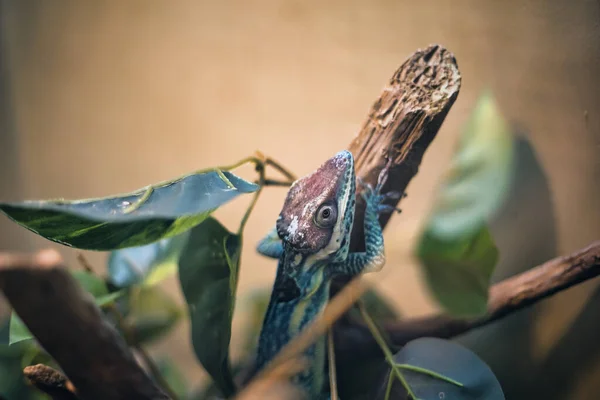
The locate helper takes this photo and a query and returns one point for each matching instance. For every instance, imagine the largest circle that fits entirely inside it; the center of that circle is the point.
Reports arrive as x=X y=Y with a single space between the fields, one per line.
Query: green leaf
x=208 y=273
x=456 y=249
x=480 y=174
x=458 y=271
x=134 y=219
x=436 y=368
x=152 y=313
x=174 y=377
x=147 y=264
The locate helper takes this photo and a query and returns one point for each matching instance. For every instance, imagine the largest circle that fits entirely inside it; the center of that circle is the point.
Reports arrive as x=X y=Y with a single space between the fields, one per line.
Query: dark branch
x=70 y=327
x=50 y=381
x=401 y=124
x=506 y=297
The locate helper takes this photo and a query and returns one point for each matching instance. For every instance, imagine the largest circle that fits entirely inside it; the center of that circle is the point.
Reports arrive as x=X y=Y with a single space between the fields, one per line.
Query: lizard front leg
x=373 y=258
x=271 y=245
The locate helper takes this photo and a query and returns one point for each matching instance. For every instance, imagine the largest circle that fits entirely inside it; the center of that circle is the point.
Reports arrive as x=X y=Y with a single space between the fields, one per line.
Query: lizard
x=311 y=240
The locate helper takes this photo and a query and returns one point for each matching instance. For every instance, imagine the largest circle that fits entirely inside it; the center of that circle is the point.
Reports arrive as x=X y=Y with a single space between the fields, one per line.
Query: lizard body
x=311 y=240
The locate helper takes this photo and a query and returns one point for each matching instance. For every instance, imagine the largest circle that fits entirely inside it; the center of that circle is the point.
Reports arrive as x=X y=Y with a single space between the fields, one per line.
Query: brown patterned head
x=318 y=212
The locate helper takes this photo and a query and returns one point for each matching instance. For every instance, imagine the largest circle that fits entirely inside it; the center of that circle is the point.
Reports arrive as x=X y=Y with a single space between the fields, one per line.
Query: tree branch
x=402 y=123
x=68 y=324
x=506 y=297
x=400 y=126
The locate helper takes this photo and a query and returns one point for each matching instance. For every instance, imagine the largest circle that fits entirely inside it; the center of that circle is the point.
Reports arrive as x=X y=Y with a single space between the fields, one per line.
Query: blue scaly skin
x=311 y=240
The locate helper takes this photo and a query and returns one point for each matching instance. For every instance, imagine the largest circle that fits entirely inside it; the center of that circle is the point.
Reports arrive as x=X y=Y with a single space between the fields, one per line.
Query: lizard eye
x=326 y=216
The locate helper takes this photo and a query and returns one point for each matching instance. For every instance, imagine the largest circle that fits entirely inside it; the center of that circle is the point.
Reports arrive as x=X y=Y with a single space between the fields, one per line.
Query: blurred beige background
x=106 y=97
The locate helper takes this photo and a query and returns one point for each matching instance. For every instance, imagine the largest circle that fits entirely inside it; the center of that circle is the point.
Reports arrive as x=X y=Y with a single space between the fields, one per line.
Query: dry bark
x=70 y=327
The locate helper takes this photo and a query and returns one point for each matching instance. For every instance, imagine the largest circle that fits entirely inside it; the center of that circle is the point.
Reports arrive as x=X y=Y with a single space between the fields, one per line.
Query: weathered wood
x=70 y=327
x=402 y=123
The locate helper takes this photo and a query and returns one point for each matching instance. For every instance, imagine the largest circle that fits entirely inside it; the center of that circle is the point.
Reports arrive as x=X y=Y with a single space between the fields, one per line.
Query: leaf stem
x=428 y=372
x=269 y=161
x=384 y=347
x=274 y=182
x=388 y=389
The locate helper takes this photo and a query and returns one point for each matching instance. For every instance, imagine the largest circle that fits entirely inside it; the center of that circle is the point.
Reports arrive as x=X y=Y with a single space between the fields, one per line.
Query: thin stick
x=334 y=310
x=332 y=368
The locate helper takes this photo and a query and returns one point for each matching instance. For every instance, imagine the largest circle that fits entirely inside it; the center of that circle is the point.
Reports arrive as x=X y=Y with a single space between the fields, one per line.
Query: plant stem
x=332 y=369
x=384 y=347
x=269 y=161
x=274 y=182
x=388 y=389
x=260 y=167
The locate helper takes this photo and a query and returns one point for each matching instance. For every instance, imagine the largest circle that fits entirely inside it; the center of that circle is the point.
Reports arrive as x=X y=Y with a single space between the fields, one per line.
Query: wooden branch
x=402 y=123
x=70 y=327
x=506 y=297
x=51 y=382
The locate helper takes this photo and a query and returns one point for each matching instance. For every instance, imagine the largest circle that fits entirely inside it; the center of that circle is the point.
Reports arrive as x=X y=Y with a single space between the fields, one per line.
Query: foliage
x=167 y=228
x=434 y=368
x=208 y=273
x=456 y=249
x=134 y=219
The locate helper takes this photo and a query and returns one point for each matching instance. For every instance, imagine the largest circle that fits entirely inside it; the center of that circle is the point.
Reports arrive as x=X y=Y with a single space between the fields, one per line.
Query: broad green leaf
x=456 y=249
x=174 y=377
x=480 y=174
x=89 y=282
x=440 y=369
x=149 y=264
x=152 y=313
x=208 y=273
x=458 y=271
x=134 y=219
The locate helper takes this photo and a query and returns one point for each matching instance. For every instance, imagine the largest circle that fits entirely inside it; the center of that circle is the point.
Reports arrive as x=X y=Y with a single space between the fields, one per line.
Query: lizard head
x=318 y=211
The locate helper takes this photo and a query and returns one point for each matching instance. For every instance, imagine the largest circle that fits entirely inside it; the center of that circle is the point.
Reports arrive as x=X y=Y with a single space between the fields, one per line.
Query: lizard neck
x=300 y=293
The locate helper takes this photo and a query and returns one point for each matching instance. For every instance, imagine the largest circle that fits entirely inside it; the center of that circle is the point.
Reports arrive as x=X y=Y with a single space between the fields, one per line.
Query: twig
x=506 y=297
x=334 y=310
x=282 y=170
x=51 y=382
x=274 y=182
x=84 y=263
x=332 y=373
x=71 y=328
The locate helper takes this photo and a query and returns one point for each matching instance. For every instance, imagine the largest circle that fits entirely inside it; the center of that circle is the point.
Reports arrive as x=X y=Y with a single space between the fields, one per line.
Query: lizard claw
x=393 y=195
x=386 y=208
